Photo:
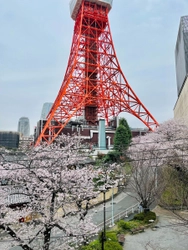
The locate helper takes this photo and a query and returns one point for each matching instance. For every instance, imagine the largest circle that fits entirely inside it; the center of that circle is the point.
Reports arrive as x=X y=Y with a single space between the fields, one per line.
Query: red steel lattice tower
x=94 y=85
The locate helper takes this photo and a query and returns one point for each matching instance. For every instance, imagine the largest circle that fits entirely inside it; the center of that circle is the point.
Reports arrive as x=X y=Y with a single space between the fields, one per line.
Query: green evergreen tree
x=122 y=136
x=123 y=121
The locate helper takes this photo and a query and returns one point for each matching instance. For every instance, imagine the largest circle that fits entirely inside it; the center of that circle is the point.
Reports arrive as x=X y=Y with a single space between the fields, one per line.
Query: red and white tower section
x=94 y=85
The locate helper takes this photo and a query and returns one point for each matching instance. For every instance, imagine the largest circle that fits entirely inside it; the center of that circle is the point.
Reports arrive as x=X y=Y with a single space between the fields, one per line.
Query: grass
x=121 y=227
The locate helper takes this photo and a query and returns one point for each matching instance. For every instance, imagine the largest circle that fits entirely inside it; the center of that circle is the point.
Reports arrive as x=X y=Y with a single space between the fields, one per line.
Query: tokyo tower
x=94 y=85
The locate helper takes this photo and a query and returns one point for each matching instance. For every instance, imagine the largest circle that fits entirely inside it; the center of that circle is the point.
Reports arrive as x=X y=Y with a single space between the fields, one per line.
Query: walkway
x=170 y=235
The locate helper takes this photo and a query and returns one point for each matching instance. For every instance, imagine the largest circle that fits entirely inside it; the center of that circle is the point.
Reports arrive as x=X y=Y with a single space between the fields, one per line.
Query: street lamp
x=112 y=207
x=104 y=214
x=108 y=183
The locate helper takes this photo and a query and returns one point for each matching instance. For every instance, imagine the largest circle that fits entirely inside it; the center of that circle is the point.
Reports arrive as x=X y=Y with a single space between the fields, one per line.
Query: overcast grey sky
x=35 y=41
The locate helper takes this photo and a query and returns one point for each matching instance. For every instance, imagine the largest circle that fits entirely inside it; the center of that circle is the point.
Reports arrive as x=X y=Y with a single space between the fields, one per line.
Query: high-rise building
x=9 y=139
x=181 y=53
x=24 y=127
x=45 y=110
x=181 y=59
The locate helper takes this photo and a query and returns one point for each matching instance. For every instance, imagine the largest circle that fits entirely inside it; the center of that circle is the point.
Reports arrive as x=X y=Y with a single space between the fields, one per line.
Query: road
x=121 y=202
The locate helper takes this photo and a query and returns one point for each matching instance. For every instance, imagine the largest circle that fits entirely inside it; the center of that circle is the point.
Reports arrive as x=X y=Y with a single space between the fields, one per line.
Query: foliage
x=111 y=243
x=176 y=190
x=121 y=139
x=109 y=236
x=145 y=216
x=94 y=245
x=123 y=121
x=50 y=184
x=127 y=168
x=122 y=136
x=112 y=246
x=139 y=216
x=112 y=156
x=124 y=226
x=138 y=220
x=149 y=154
x=100 y=156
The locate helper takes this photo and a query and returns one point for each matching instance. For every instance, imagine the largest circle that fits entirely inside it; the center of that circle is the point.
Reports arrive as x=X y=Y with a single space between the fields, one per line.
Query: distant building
x=181 y=58
x=139 y=131
x=45 y=110
x=24 y=127
x=99 y=136
x=9 y=139
x=41 y=123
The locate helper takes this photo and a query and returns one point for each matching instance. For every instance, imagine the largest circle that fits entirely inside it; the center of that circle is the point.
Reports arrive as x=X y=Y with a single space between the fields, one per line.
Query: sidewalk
x=170 y=234
x=117 y=198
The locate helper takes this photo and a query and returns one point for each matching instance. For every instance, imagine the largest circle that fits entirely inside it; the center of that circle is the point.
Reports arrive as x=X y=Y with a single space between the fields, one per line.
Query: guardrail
x=119 y=216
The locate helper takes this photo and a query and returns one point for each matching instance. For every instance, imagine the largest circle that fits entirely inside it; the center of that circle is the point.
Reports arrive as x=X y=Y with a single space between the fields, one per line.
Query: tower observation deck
x=76 y=4
x=94 y=85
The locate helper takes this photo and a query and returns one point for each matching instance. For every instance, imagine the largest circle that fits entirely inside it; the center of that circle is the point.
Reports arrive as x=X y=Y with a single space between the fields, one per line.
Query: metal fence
x=119 y=216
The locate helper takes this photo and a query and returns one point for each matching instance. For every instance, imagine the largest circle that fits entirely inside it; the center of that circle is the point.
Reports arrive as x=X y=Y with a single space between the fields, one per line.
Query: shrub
x=111 y=245
x=133 y=224
x=145 y=216
x=139 y=216
x=149 y=216
x=100 y=156
x=92 y=245
x=112 y=156
x=112 y=236
x=124 y=226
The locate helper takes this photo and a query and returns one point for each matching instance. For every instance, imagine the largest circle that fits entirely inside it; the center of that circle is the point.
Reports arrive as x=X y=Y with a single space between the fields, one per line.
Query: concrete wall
x=108 y=195
x=181 y=106
x=98 y=200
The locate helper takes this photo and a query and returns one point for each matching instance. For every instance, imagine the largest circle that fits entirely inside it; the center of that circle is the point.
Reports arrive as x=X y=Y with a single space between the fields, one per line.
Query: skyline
x=35 y=46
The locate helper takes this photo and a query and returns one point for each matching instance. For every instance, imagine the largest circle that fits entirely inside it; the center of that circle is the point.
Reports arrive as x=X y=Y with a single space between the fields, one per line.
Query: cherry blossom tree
x=52 y=183
x=150 y=154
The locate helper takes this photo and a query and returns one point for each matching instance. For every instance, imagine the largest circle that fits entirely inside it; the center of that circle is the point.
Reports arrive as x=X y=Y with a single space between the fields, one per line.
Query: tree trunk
x=47 y=234
x=9 y=231
x=48 y=228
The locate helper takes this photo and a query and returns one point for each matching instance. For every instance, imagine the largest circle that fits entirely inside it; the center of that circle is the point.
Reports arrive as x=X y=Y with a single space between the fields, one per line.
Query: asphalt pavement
x=120 y=203
x=169 y=234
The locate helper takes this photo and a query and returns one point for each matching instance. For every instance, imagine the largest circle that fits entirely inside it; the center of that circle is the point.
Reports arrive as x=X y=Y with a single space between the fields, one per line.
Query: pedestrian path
x=169 y=234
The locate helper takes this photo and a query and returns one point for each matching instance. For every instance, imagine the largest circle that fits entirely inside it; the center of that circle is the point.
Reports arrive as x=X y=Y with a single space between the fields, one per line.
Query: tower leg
x=94 y=85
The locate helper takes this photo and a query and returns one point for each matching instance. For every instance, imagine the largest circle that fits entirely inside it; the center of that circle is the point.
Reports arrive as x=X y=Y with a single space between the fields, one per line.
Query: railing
x=15 y=195
x=119 y=216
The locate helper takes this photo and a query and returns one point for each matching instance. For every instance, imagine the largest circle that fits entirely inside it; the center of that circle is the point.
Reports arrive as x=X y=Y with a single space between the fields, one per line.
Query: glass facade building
x=24 y=127
x=45 y=110
x=181 y=54
x=9 y=139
